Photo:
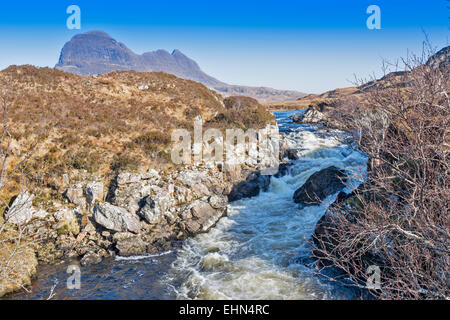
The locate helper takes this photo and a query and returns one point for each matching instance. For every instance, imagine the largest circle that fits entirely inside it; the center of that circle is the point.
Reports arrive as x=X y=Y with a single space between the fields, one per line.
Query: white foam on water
x=251 y=254
x=141 y=257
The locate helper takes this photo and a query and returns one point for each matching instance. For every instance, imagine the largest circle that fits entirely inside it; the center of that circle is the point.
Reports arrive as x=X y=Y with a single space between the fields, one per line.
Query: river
x=261 y=250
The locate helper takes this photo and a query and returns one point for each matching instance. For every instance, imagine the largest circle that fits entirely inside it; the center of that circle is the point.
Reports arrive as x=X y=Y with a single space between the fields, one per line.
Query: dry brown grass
x=98 y=125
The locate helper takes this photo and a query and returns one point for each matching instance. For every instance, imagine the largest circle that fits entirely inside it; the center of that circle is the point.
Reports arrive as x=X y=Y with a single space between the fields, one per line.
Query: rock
x=297 y=117
x=313 y=116
x=119 y=236
x=94 y=191
x=131 y=246
x=127 y=178
x=200 y=216
x=64 y=215
x=90 y=258
x=75 y=195
x=21 y=210
x=40 y=214
x=309 y=116
x=153 y=208
x=115 y=218
x=249 y=188
x=320 y=185
x=291 y=154
x=218 y=202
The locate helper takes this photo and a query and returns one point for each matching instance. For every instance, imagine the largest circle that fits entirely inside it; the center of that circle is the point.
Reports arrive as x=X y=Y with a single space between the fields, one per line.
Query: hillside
x=99 y=125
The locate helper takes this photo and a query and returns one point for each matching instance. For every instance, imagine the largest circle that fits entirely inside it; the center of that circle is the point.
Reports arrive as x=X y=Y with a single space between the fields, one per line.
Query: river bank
x=256 y=251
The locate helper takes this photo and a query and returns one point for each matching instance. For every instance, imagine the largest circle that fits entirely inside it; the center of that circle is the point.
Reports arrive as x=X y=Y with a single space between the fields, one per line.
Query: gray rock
x=131 y=246
x=313 y=116
x=250 y=188
x=21 y=210
x=90 y=258
x=64 y=215
x=75 y=195
x=297 y=117
x=320 y=185
x=115 y=218
x=94 y=191
x=153 y=208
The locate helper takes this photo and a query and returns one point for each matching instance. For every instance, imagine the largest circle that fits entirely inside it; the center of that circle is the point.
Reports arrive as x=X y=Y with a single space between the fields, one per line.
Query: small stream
x=259 y=251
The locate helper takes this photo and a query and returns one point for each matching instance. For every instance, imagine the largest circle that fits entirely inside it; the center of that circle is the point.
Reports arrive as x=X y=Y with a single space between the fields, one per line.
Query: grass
x=97 y=126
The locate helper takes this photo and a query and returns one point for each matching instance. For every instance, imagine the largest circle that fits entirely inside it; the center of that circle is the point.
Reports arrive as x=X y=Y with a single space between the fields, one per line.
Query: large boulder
x=115 y=218
x=320 y=185
x=297 y=117
x=313 y=116
x=128 y=189
x=200 y=215
x=250 y=188
x=21 y=210
x=153 y=208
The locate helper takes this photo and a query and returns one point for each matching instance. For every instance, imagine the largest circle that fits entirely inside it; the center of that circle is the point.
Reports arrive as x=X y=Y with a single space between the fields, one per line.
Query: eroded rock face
x=320 y=185
x=115 y=218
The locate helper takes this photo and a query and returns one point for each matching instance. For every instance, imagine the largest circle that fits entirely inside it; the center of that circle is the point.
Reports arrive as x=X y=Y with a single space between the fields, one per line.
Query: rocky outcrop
x=319 y=186
x=310 y=116
x=143 y=213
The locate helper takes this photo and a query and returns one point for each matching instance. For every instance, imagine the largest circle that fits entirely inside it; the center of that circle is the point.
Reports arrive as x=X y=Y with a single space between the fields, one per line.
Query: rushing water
x=257 y=252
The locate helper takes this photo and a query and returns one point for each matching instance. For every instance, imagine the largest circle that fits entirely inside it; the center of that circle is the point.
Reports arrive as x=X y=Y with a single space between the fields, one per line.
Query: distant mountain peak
x=96 y=52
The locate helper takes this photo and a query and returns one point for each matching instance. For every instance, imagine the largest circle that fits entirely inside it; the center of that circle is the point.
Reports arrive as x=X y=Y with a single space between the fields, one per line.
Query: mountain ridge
x=96 y=52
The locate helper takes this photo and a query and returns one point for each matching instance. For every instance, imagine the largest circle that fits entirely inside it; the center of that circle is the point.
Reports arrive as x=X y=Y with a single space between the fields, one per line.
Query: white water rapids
x=259 y=251
x=254 y=252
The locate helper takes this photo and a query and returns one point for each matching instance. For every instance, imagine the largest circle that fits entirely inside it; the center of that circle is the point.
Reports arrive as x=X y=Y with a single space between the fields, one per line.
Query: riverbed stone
x=320 y=185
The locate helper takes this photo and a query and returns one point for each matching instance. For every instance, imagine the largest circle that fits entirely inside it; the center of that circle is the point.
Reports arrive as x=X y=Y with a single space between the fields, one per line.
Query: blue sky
x=310 y=46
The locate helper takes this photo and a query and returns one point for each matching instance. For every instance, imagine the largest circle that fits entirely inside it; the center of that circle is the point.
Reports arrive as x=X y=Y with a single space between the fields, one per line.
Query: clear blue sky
x=310 y=46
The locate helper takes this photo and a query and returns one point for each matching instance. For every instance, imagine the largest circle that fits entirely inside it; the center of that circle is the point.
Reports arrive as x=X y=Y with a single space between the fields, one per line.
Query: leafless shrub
x=14 y=239
x=399 y=219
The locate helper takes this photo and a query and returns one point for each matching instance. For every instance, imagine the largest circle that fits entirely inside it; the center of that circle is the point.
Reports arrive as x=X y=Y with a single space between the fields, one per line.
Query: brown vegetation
x=399 y=219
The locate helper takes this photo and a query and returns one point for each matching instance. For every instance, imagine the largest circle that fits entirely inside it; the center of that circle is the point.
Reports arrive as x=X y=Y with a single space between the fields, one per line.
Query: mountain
x=96 y=52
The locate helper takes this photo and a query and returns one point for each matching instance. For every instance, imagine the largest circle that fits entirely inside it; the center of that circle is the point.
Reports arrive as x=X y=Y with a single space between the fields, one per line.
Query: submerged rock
x=320 y=185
